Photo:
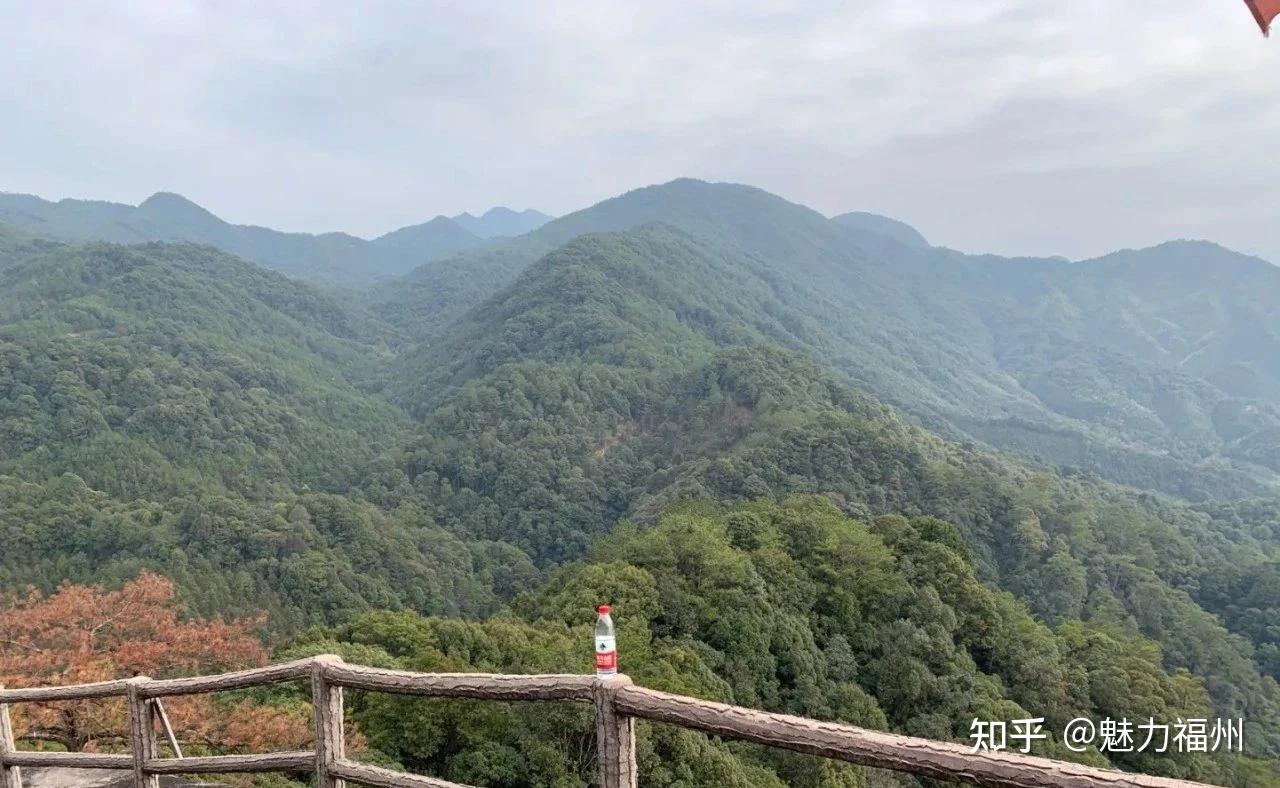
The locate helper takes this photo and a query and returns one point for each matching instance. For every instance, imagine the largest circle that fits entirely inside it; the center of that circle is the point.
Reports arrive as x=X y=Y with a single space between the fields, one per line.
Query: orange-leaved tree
x=87 y=633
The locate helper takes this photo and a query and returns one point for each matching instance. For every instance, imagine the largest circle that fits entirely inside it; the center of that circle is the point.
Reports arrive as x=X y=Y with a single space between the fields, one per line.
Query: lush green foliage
x=302 y=560
x=796 y=608
x=159 y=370
x=1153 y=368
x=594 y=390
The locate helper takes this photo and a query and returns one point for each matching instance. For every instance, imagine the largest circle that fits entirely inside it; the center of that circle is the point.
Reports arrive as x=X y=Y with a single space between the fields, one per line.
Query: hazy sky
x=1014 y=126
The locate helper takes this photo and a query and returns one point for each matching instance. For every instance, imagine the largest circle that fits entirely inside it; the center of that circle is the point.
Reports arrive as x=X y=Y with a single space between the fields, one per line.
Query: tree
x=87 y=633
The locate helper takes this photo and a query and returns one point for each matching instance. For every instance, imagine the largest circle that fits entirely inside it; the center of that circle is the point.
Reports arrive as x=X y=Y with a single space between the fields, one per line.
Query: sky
x=1006 y=126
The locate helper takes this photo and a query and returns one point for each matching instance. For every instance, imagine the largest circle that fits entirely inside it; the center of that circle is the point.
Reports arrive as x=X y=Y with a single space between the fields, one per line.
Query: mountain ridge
x=334 y=258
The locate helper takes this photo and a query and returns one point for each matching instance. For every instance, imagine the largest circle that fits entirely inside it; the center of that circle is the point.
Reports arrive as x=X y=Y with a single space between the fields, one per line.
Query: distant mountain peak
x=686 y=184
x=431 y=237
x=501 y=211
x=502 y=221
x=438 y=221
x=162 y=197
x=899 y=231
x=1181 y=249
x=172 y=205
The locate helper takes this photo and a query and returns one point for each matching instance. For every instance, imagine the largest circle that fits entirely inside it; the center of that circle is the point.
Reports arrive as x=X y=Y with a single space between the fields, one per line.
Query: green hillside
x=148 y=370
x=554 y=451
x=1154 y=368
x=169 y=406
x=750 y=219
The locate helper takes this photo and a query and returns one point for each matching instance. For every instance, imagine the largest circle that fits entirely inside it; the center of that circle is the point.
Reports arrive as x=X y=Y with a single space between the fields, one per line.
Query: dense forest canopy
x=769 y=438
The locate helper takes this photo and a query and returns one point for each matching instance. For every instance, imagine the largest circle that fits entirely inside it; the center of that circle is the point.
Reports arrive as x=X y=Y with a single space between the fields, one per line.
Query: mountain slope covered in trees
x=1118 y=365
x=174 y=407
x=901 y=232
x=175 y=365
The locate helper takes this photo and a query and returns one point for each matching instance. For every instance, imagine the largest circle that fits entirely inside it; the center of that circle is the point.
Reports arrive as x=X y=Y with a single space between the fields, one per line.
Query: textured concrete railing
x=617 y=704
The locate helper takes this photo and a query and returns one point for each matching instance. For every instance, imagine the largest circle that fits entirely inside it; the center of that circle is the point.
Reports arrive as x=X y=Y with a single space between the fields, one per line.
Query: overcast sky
x=1013 y=126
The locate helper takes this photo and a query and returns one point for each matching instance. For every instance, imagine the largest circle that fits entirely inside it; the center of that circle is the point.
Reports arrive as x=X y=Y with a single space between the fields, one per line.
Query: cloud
x=1014 y=126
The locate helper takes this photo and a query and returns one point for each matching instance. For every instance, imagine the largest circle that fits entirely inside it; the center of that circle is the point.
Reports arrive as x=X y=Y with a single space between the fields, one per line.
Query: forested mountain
x=1173 y=347
x=172 y=365
x=1115 y=365
x=704 y=404
x=742 y=218
x=500 y=222
x=331 y=258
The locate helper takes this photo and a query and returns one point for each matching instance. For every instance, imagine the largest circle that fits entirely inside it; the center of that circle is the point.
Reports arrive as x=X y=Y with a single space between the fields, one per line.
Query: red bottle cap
x=603 y=610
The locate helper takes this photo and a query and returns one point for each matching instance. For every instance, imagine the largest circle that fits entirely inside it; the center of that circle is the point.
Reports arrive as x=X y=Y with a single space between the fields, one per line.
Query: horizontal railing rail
x=618 y=703
x=100 y=689
x=924 y=757
x=479 y=686
x=240 y=679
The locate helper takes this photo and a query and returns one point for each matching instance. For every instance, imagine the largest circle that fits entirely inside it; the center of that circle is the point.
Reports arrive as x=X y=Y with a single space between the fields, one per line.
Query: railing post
x=10 y=776
x=142 y=734
x=615 y=736
x=330 y=743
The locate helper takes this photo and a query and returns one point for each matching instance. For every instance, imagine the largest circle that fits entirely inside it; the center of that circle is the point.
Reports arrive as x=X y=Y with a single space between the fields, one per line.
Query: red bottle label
x=606 y=654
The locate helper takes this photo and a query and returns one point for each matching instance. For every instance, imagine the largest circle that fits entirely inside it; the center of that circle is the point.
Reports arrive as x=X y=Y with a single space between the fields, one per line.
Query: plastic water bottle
x=606 y=643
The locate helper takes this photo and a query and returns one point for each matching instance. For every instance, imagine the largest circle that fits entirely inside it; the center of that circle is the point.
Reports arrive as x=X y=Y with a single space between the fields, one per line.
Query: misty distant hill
x=502 y=222
x=331 y=258
x=882 y=225
x=434 y=238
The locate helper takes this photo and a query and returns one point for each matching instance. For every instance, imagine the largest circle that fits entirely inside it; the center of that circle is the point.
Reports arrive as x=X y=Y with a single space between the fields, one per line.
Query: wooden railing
x=618 y=703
